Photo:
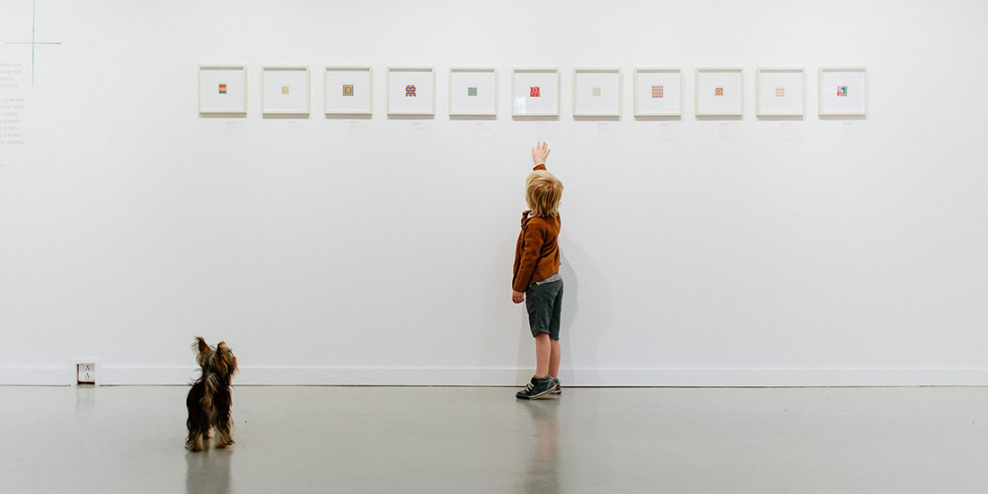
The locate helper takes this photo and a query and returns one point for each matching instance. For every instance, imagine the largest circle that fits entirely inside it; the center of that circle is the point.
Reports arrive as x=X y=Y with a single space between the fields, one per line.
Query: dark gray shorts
x=545 y=304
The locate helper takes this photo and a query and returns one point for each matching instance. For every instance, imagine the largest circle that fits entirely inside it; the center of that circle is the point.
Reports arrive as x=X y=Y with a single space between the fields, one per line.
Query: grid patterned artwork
x=596 y=91
x=718 y=91
x=779 y=92
x=842 y=91
x=348 y=90
x=535 y=92
x=411 y=91
x=472 y=91
x=657 y=92
x=222 y=88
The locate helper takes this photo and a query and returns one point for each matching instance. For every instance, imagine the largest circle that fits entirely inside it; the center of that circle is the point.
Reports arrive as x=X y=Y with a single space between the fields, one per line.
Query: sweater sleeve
x=530 y=249
x=539 y=167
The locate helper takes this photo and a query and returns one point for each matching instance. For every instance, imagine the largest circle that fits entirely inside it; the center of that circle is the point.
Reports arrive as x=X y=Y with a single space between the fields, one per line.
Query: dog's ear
x=201 y=348
x=226 y=356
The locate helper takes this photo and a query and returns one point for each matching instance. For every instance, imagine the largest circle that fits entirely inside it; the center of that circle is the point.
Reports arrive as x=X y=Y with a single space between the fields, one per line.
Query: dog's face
x=219 y=359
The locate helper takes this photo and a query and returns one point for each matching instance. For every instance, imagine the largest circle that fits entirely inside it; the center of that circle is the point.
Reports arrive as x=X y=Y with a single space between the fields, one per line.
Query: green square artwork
x=471 y=91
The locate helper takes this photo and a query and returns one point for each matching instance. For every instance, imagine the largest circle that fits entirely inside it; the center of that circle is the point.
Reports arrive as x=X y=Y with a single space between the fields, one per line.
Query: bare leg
x=554 y=357
x=543 y=350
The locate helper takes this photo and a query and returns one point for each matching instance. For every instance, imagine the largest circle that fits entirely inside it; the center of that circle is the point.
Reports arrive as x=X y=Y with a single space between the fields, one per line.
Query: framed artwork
x=658 y=93
x=597 y=92
x=780 y=92
x=348 y=91
x=473 y=92
x=719 y=92
x=843 y=91
x=285 y=90
x=412 y=91
x=223 y=89
x=535 y=92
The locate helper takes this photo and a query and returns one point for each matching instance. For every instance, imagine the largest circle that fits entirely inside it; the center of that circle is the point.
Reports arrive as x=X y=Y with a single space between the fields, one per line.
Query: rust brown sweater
x=536 y=253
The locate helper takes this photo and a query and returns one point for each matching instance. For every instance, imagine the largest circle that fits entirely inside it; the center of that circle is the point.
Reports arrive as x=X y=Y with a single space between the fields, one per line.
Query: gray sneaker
x=537 y=388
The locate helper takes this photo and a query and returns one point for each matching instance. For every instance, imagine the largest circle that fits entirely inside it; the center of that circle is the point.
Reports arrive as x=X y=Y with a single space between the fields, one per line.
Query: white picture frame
x=473 y=92
x=285 y=90
x=658 y=92
x=719 y=92
x=412 y=91
x=526 y=101
x=348 y=90
x=780 y=92
x=596 y=92
x=222 y=89
x=853 y=101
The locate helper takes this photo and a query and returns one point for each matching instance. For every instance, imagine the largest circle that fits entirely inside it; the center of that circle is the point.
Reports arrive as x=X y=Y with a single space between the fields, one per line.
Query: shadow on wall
x=578 y=330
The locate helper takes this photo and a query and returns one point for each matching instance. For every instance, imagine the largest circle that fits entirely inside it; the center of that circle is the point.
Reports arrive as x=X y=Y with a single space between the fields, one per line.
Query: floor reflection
x=542 y=475
x=208 y=472
x=85 y=398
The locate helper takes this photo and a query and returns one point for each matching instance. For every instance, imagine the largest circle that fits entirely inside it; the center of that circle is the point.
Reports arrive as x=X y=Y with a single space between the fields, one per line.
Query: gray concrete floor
x=480 y=440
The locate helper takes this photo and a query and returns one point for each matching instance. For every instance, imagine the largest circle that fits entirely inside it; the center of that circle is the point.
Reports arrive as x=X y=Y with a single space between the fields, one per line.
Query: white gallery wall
x=378 y=250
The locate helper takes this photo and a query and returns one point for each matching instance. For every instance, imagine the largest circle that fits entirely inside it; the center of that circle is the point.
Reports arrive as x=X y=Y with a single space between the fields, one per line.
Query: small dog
x=209 y=400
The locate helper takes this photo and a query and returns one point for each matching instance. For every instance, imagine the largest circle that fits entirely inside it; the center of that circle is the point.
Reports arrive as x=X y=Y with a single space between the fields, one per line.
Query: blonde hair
x=543 y=192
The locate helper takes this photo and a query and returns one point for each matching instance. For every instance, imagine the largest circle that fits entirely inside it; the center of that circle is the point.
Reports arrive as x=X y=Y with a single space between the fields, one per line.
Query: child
x=536 y=279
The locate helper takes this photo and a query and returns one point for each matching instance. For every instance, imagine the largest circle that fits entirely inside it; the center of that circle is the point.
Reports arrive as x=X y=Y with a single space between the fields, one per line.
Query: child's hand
x=517 y=297
x=540 y=152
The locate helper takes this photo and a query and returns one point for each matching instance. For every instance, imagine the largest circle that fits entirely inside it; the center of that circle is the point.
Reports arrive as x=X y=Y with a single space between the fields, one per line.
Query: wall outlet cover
x=86 y=373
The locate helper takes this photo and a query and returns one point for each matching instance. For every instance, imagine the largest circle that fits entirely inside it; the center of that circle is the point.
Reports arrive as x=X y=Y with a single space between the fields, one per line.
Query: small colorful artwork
x=780 y=92
x=535 y=92
x=841 y=90
x=348 y=90
x=596 y=91
x=410 y=91
x=284 y=90
x=222 y=88
x=658 y=91
x=718 y=91
x=471 y=91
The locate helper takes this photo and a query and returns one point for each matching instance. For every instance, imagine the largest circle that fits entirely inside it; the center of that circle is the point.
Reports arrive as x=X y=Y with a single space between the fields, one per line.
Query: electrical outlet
x=87 y=373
